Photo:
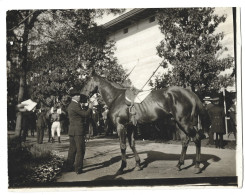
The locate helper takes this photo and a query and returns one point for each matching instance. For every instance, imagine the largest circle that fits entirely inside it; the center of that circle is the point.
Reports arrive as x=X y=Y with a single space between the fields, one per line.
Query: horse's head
x=90 y=88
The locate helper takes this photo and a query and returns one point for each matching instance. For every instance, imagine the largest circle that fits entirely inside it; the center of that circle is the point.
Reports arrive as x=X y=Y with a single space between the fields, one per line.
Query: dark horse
x=182 y=105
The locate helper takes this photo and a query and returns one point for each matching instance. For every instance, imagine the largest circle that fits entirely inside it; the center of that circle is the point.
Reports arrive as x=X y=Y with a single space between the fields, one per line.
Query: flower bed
x=33 y=165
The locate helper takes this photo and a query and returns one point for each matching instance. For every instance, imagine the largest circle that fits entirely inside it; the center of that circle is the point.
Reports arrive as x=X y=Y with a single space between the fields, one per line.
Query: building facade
x=136 y=34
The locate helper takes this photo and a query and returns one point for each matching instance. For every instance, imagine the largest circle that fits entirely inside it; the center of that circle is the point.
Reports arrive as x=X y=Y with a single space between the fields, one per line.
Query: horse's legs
x=130 y=134
x=185 y=141
x=122 y=138
x=198 y=156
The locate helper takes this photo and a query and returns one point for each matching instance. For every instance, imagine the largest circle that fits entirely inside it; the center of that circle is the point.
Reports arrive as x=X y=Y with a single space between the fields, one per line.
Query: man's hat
x=74 y=92
x=207 y=98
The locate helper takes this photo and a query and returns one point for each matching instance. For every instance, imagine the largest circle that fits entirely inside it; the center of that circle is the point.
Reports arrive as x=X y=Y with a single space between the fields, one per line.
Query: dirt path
x=103 y=159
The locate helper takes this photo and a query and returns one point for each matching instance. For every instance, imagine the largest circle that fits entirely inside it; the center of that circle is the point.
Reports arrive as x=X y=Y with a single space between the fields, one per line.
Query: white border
x=72 y=4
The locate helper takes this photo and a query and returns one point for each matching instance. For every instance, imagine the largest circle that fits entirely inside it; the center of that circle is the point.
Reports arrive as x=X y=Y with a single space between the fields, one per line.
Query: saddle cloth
x=139 y=97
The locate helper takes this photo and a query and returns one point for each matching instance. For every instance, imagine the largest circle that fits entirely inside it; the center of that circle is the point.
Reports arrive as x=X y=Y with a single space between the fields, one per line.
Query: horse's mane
x=119 y=86
x=114 y=84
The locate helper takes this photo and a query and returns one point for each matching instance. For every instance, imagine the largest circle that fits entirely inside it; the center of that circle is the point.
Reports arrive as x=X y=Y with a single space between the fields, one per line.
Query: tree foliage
x=63 y=45
x=51 y=50
x=191 y=46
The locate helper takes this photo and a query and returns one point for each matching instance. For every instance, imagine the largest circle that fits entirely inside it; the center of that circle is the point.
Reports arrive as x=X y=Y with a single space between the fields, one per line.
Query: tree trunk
x=23 y=73
x=22 y=86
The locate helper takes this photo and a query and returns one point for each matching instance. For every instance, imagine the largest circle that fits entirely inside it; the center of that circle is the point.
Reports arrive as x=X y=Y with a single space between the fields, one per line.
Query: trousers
x=56 y=128
x=76 y=152
x=40 y=134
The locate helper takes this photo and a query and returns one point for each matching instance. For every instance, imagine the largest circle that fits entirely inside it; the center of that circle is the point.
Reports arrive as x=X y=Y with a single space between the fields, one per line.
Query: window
x=125 y=30
x=152 y=19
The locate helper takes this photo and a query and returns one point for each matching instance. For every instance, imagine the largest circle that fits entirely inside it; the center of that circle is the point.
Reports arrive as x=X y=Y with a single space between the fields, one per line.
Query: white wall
x=138 y=47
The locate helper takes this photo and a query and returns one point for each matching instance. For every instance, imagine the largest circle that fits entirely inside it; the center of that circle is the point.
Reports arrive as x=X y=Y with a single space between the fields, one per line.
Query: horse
x=182 y=105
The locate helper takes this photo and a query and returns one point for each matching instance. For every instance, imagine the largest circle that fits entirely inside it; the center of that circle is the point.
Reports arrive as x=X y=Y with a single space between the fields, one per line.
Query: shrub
x=32 y=164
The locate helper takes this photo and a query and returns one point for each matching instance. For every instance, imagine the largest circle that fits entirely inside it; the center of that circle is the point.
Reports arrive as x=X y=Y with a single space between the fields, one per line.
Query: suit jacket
x=209 y=106
x=77 y=119
x=41 y=120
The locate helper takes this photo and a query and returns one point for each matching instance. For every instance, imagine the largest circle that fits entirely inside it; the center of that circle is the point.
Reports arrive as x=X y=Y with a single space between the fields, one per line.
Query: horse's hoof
x=178 y=167
x=197 y=170
x=119 y=172
x=137 y=168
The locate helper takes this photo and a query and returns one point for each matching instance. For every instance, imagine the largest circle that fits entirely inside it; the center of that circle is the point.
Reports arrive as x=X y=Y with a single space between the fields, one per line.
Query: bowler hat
x=74 y=92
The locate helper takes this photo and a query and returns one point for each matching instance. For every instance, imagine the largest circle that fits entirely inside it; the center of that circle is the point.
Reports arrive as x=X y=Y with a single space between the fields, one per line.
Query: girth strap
x=132 y=114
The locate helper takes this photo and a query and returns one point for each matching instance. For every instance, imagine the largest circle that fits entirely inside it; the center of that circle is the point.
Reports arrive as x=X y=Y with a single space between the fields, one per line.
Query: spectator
x=95 y=121
x=107 y=129
x=41 y=125
x=24 y=123
x=32 y=118
x=208 y=105
x=62 y=113
x=49 y=123
x=232 y=113
x=77 y=132
x=217 y=116
x=55 y=119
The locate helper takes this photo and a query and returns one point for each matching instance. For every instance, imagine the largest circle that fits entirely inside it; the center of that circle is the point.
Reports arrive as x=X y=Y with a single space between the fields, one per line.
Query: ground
x=158 y=161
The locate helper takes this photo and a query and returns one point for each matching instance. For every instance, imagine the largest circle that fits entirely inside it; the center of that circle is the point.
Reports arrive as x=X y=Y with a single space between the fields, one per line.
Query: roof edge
x=123 y=17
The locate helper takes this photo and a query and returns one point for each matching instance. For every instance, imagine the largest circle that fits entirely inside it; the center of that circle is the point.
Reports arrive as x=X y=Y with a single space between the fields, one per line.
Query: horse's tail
x=203 y=115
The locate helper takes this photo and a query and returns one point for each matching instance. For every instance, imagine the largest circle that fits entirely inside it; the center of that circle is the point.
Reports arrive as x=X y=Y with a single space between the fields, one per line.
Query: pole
x=151 y=77
x=130 y=72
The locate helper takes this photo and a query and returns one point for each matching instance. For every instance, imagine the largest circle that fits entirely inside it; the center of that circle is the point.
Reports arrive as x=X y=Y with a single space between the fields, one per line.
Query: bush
x=32 y=165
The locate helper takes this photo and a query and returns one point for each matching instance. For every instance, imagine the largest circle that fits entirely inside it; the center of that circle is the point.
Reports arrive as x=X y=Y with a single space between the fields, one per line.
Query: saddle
x=130 y=95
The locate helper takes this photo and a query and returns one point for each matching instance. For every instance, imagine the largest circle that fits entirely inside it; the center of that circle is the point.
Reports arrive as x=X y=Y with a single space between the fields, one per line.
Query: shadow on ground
x=152 y=156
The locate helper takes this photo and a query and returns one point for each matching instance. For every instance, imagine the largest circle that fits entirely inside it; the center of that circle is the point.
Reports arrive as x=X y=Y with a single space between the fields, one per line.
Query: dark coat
x=77 y=118
x=209 y=106
x=217 y=116
x=232 y=113
x=41 y=120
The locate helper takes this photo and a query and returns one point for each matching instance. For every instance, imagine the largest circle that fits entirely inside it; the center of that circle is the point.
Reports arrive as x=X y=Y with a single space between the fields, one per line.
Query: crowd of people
x=55 y=121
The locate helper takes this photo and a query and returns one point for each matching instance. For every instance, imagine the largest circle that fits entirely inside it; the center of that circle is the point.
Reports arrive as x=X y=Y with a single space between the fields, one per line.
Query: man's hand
x=21 y=107
x=90 y=105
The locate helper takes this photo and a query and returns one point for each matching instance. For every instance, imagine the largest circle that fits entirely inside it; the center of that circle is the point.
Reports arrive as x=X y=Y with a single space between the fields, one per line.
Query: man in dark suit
x=41 y=125
x=77 y=131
